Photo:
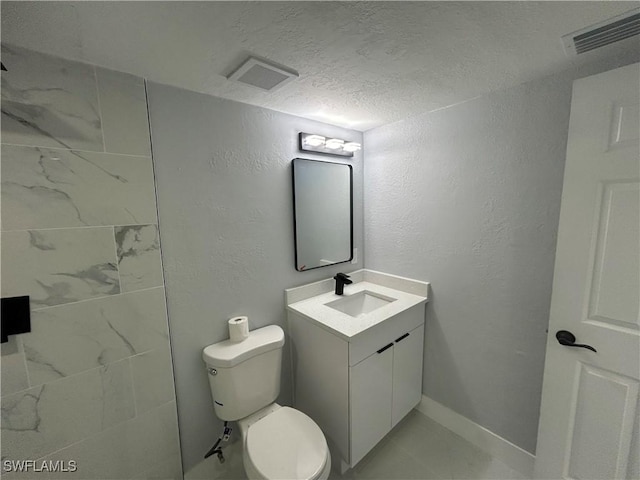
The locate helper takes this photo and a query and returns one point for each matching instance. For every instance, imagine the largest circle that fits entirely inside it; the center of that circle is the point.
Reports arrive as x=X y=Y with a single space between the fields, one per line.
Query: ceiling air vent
x=603 y=33
x=263 y=75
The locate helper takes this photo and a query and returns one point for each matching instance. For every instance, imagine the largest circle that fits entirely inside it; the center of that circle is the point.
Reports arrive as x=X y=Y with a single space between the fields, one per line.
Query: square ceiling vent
x=263 y=75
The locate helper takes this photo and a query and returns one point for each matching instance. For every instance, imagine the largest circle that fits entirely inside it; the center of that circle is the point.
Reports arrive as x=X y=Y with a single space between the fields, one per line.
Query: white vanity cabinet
x=383 y=388
x=358 y=388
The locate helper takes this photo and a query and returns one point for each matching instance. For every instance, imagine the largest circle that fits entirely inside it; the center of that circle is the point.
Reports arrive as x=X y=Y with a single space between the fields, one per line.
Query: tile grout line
x=75 y=374
x=26 y=367
x=115 y=245
x=56 y=228
x=95 y=79
x=75 y=150
x=80 y=227
x=133 y=389
x=84 y=300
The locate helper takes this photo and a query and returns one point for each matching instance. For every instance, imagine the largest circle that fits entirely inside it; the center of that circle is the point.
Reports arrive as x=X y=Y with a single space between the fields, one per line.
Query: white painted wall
x=223 y=174
x=468 y=198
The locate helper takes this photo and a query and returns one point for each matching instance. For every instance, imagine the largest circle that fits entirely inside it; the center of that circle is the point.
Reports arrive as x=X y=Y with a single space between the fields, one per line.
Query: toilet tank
x=245 y=376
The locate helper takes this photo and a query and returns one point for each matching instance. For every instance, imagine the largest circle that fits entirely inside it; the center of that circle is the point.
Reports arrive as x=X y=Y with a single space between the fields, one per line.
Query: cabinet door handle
x=385 y=347
x=399 y=339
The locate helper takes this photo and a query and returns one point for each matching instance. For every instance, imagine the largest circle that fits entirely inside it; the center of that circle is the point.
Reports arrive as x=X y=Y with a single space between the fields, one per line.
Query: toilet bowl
x=283 y=443
x=279 y=443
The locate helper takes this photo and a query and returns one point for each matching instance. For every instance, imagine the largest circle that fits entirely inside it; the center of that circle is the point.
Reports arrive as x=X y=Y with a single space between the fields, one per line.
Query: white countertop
x=346 y=326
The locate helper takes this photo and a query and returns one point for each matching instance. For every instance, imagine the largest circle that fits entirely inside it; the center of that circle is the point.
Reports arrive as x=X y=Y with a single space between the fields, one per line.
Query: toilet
x=278 y=442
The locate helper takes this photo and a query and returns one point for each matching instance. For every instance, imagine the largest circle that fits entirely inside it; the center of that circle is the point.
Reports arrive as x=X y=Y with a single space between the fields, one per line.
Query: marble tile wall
x=92 y=382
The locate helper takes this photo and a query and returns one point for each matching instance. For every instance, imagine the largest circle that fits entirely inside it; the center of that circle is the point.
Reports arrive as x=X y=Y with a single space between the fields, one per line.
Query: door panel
x=370 y=392
x=589 y=399
x=407 y=374
x=602 y=424
x=615 y=269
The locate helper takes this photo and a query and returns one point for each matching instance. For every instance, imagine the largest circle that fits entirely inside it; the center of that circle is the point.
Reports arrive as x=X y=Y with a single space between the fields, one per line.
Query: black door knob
x=568 y=339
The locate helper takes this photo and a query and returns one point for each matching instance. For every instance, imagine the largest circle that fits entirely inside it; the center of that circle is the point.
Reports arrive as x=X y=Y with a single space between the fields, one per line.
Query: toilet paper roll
x=238 y=329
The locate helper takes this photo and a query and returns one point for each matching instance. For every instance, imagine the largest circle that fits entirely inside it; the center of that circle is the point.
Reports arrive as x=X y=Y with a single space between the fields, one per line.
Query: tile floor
x=417 y=448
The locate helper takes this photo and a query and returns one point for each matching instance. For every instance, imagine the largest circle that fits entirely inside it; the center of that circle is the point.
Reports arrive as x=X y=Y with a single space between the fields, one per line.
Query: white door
x=589 y=414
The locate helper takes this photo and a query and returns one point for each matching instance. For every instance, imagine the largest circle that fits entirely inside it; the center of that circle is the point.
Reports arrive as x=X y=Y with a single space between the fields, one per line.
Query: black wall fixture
x=16 y=316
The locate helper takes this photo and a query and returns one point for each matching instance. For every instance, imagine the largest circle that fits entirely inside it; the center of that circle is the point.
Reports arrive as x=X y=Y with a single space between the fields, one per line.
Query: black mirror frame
x=295 y=229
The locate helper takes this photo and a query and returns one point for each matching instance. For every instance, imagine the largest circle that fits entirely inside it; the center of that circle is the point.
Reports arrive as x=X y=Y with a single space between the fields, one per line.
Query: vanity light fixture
x=314 y=140
x=352 y=147
x=334 y=143
x=309 y=142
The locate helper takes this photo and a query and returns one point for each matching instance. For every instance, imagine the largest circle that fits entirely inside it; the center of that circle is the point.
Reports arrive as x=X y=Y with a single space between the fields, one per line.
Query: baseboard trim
x=486 y=440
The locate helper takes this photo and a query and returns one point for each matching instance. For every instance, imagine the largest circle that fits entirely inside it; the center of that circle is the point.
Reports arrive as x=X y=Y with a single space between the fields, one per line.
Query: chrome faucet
x=341 y=279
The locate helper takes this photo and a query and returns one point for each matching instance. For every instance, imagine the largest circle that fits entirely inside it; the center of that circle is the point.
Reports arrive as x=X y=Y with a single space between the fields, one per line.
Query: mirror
x=323 y=213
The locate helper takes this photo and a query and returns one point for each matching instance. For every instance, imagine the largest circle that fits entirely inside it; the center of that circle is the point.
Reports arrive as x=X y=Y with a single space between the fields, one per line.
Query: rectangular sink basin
x=360 y=303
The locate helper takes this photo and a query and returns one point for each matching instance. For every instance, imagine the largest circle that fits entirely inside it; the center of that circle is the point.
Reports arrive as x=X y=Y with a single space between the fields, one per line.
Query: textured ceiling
x=361 y=64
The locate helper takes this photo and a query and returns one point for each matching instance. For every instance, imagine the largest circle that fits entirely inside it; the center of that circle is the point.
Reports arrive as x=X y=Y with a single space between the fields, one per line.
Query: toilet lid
x=286 y=444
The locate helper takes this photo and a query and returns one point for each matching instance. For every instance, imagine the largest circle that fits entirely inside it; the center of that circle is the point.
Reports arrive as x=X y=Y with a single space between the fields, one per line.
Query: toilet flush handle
x=212 y=371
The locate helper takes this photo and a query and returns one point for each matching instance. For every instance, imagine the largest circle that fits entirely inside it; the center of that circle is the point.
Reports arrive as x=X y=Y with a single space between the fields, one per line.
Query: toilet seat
x=286 y=444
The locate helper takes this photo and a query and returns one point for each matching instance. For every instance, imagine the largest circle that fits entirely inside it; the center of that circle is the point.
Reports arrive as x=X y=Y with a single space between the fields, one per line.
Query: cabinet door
x=407 y=373
x=370 y=390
